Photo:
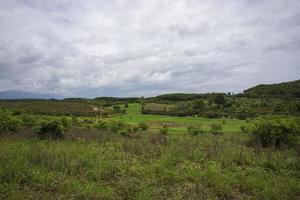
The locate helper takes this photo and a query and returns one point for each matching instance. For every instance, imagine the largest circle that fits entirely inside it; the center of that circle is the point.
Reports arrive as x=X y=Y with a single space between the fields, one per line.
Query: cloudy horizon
x=145 y=48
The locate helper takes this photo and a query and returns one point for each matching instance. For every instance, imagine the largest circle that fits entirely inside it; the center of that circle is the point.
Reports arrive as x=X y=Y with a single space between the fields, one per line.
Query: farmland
x=176 y=124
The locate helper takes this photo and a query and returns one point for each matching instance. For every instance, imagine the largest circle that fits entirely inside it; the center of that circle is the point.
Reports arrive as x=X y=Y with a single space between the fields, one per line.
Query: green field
x=176 y=124
x=99 y=165
x=94 y=160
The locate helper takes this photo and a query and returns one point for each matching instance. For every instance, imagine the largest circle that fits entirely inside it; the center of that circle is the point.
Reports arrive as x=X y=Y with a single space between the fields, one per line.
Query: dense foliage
x=53 y=129
x=276 y=131
x=8 y=122
x=280 y=90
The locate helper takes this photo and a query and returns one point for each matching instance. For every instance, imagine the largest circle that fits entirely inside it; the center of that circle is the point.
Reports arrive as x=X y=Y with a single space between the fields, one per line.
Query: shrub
x=53 y=129
x=244 y=129
x=75 y=121
x=88 y=121
x=276 y=132
x=211 y=114
x=193 y=130
x=164 y=130
x=9 y=122
x=135 y=128
x=124 y=132
x=102 y=125
x=216 y=129
x=127 y=131
x=116 y=108
x=242 y=116
x=143 y=126
x=27 y=119
x=15 y=124
x=116 y=126
x=66 y=122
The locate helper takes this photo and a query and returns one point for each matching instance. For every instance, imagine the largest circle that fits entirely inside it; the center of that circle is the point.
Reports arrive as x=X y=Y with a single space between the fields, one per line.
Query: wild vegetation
x=174 y=146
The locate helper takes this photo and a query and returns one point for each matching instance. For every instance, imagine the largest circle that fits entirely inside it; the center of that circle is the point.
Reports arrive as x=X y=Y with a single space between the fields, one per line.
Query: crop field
x=177 y=124
x=54 y=107
x=159 y=106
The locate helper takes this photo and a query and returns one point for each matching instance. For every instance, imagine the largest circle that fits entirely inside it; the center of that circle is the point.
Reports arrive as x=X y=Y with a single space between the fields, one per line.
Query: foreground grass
x=177 y=124
x=97 y=165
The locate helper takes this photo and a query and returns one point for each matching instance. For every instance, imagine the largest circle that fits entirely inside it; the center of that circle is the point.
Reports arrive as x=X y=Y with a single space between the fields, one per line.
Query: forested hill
x=279 y=90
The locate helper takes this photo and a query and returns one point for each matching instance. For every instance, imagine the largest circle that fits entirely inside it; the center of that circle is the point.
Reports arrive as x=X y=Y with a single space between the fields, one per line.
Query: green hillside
x=279 y=90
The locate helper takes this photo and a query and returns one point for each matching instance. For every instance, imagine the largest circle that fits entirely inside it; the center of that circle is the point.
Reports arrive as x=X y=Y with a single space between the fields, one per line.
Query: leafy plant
x=102 y=125
x=9 y=122
x=116 y=126
x=53 y=129
x=216 y=129
x=276 y=131
x=193 y=130
x=164 y=130
x=143 y=126
x=66 y=122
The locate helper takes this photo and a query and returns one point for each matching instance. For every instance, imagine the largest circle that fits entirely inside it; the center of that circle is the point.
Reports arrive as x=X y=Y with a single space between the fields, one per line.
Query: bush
x=216 y=129
x=88 y=121
x=193 y=130
x=276 y=132
x=135 y=128
x=116 y=108
x=211 y=114
x=66 y=122
x=102 y=125
x=126 y=131
x=116 y=126
x=164 y=130
x=75 y=121
x=242 y=116
x=27 y=119
x=9 y=122
x=143 y=126
x=53 y=129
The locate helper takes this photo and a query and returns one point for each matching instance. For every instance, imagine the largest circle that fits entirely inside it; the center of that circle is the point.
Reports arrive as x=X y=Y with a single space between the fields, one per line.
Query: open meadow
x=130 y=155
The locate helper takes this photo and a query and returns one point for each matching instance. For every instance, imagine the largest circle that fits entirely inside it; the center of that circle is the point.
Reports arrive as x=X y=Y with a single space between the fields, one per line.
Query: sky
x=92 y=48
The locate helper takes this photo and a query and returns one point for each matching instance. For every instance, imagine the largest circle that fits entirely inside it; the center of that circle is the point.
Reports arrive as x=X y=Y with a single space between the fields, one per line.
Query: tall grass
x=149 y=166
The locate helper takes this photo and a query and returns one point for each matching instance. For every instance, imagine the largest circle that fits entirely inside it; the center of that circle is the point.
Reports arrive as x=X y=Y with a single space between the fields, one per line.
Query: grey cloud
x=125 y=48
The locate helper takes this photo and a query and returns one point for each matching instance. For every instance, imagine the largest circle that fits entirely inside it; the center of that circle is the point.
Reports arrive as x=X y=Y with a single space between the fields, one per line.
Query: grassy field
x=96 y=163
x=100 y=165
x=177 y=124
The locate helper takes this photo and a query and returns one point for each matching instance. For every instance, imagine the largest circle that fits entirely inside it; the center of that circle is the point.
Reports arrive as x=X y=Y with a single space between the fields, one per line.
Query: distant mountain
x=279 y=90
x=17 y=94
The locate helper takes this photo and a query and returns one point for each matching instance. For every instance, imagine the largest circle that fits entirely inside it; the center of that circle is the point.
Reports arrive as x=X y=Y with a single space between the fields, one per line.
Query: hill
x=283 y=90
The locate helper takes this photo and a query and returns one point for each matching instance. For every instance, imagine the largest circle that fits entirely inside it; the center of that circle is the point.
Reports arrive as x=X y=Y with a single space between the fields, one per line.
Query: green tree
x=276 y=131
x=198 y=105
x=117 y=108
x=219 y=99
x=53 y=129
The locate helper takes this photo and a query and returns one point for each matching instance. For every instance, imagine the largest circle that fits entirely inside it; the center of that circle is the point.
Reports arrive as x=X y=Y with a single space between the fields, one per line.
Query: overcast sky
x=147 y=47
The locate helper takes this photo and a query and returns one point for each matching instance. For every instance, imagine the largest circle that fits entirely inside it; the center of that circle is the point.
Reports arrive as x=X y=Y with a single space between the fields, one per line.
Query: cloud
x=133 y=48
